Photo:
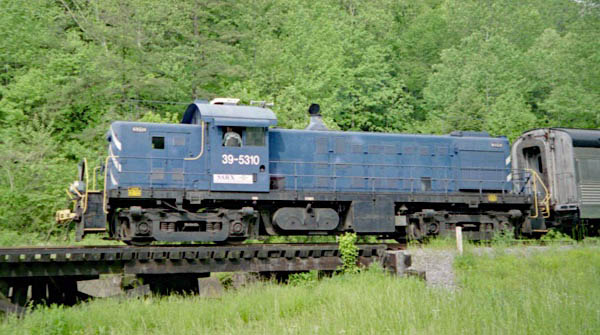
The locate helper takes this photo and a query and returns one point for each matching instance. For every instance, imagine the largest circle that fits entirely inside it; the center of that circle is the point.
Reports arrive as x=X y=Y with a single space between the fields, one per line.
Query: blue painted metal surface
x=190 y=157
x=231 y=115
x=193 y=156
x=137 y=158
x=379 y=162
x=243 y=169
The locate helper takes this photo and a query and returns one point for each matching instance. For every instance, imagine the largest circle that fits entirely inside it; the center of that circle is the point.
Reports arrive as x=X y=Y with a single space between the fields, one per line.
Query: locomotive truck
x=226 y=174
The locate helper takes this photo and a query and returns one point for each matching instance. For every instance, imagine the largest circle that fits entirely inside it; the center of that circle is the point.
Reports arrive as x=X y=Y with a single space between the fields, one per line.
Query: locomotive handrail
x=82 y=197
x=201 y=145
x=331 y=176
x=87 y=179
x=389 y=165
x=525 y=183
x=104 y=196
x=445 y=180
x=522 y=176
x=94 y=178
x=333 y=164
x=546 y=201
x=327 y=176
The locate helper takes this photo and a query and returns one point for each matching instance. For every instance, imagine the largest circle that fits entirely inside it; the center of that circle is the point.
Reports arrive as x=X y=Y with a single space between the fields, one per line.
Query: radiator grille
x=590 y=193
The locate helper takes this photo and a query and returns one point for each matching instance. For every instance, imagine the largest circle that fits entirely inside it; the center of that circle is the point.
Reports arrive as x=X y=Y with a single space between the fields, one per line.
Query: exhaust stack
x=316 y=120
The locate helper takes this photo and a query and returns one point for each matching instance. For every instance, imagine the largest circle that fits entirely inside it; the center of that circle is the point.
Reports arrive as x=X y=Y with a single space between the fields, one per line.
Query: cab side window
x=255 y=136
x=232 y=137
x=243 y=136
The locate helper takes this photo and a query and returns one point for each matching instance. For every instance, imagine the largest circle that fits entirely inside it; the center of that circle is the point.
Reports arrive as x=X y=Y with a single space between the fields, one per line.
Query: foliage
x=440 y=242
x=503 y=238
x=554 y=235
x=553 y=292
x=299 y=239
x=70 y=67
x=303 y=278
x=348 y=252
x=168 y=117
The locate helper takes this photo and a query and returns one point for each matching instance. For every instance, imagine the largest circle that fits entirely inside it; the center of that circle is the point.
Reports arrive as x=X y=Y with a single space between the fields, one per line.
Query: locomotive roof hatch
x=228 y=114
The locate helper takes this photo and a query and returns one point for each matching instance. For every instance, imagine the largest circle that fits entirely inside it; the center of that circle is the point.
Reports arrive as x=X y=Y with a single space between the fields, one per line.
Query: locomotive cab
x=237 y=141
x=155 y=171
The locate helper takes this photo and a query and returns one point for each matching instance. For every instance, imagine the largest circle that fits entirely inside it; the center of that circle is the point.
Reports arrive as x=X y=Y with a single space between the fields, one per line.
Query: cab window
x=243 y=136
x=255 y=136
x=232 y=136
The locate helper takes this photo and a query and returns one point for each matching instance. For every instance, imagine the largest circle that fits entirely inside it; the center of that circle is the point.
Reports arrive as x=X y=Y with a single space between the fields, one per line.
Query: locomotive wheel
x=124 y=235
x=414 y=233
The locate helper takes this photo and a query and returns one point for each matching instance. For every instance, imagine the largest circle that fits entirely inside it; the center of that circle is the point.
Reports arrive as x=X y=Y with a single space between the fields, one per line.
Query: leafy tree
x=70 y=67
x=565 y=78
x=476 y=84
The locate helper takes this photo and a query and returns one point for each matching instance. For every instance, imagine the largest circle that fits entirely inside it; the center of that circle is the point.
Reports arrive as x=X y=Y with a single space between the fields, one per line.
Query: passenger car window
x=255 y=136
x=588 y=170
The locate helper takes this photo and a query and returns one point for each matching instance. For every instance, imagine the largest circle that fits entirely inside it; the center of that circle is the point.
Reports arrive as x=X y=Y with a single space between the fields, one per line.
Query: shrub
x=554 y=235
x=503 y=237
x=348 y=252
x=303 y=278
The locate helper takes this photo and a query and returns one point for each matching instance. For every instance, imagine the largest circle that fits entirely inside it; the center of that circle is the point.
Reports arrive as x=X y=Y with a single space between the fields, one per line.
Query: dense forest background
x=70 y=67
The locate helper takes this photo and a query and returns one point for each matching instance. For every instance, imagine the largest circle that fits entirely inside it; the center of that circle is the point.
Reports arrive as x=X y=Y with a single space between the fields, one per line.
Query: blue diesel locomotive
x=226 y=174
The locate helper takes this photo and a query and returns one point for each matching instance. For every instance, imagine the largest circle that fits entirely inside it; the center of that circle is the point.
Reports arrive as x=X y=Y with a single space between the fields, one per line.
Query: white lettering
x=232 y=178
x=240 y=159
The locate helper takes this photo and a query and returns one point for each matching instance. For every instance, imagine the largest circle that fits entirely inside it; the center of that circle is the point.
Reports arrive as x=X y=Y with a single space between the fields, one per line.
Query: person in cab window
x=232 y=138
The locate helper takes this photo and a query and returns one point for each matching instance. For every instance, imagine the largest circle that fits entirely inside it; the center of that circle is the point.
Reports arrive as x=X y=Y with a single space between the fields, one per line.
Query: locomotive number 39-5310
x=240 y=159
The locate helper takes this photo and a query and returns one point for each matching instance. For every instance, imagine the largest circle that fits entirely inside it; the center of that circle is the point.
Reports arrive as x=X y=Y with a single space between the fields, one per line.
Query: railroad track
x=50 y=274
x=25 y=255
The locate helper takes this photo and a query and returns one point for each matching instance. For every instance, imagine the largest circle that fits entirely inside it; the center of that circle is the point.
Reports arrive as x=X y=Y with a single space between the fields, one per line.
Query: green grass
x=11 y=238
x=554 y=292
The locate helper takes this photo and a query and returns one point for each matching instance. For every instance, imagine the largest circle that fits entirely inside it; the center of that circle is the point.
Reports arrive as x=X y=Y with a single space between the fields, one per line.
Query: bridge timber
x=34 y=275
